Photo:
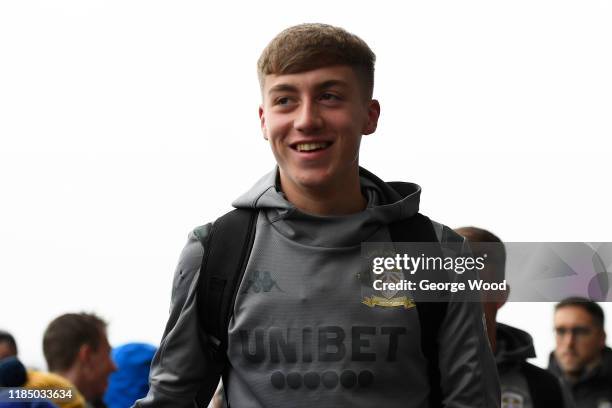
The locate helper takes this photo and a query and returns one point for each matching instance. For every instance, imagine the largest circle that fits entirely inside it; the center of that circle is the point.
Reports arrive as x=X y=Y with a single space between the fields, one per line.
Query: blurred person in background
x=523 y=384
x=131 y=379
x=13 y=374
x=76 y=348
x=581 y=358
x=8 y=346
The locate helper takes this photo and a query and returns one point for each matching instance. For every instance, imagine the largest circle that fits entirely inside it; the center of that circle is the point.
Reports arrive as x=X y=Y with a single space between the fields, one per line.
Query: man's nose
x=309 y=118
x=568 y=340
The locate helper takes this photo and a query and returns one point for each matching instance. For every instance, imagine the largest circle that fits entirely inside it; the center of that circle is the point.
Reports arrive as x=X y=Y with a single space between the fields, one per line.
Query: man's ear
x=262 y=122
x=84 y=353
x=373 y=115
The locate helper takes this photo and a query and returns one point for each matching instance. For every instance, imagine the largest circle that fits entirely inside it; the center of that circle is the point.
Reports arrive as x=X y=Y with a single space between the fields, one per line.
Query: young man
x=581 y=358
x=76 y=348
x=300 y=334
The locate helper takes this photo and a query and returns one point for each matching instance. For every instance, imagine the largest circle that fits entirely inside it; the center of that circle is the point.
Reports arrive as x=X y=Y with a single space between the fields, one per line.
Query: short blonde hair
x=310 y=46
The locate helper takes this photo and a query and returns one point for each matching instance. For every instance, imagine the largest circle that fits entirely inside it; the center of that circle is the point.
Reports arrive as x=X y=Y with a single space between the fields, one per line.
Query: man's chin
x=313 y=179
x=571 y=367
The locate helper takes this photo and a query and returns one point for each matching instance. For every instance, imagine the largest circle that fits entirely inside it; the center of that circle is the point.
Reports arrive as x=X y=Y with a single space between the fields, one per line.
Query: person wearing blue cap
x=131 y=380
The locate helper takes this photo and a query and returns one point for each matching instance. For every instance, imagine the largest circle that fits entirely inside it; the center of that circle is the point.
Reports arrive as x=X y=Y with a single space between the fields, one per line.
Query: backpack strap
x=226 y=252
x=419 y=228
x=544 y=387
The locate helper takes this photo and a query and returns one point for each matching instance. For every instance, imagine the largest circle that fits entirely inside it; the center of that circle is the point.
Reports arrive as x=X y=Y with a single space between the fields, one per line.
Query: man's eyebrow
x=282 y=88
x=323 y=85
x=331 y=83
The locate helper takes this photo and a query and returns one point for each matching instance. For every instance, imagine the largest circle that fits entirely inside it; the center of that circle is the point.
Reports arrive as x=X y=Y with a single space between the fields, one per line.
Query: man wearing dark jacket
x=581 y=358
x=523 y=384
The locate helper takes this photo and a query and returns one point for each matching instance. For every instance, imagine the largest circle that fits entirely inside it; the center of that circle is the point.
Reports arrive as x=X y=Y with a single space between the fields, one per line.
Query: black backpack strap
x=419 y=228
x=226 y=253
x=544 y=387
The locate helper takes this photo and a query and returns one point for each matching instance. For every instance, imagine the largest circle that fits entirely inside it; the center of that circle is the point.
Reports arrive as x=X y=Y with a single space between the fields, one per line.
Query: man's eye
x=330 y=97
x=578 y=331
x=283 y=101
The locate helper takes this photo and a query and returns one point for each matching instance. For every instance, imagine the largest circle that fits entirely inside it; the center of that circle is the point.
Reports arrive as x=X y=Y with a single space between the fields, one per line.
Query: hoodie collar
x=513 y=345
x=384 y=205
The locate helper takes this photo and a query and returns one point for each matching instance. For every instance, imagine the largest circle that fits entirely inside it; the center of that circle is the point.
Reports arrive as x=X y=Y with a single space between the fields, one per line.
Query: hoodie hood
x=513 y=345
x=384 y=206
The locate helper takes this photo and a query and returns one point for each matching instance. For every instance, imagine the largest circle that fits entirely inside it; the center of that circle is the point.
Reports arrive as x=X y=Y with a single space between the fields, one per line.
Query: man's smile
x=310 y=146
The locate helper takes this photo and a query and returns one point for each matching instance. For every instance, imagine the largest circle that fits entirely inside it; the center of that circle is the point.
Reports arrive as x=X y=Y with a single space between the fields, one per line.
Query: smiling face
x=314 y=121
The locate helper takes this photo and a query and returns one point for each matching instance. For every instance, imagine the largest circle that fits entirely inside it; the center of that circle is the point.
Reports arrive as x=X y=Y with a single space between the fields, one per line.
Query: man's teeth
x=307 y=147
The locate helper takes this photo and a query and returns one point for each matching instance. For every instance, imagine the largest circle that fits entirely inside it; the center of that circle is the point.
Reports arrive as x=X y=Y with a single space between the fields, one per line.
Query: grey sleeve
x=181 y=372
x=468 y=372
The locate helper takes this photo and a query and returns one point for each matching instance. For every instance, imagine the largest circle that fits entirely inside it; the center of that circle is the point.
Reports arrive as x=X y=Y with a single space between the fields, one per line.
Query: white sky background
x=124 y=124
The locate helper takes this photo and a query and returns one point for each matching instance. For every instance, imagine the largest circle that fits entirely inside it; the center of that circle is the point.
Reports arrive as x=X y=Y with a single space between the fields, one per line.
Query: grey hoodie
x=300 y=335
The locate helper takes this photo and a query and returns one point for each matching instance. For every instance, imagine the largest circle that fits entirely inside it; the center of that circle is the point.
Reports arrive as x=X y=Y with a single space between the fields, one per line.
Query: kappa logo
x=260 y=282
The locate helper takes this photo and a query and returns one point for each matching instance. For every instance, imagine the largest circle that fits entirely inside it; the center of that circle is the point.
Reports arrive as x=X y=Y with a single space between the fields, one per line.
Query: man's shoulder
x=540 y=377
x=200 y=233
x=537 y=371
x=189 y=262
x=192 y=253
x=446 y=234
x=48 y=380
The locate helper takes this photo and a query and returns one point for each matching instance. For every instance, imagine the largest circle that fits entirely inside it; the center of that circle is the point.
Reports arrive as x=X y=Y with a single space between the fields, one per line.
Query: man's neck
x=72 y=375
x=340 y=199
x=576 y=376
